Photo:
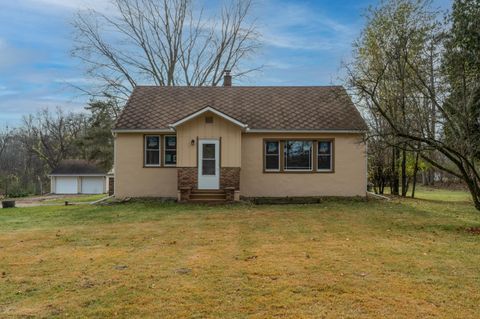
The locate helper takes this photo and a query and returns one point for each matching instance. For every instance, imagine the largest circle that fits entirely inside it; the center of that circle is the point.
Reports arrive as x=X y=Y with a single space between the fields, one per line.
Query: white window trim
x=278 y=154
x=165 y=150
x=145 y=151
x=331 y=156
x=285 y=169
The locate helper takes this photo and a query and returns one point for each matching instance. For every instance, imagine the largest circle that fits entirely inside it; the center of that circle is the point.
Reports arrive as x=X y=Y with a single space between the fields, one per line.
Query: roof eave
x=336 y=131
x=251 y=130
x=143 y=130
x=81 y=174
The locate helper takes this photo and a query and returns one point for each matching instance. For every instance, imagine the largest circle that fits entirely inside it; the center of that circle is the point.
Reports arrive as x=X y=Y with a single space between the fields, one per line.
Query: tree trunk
x=394 y=182
x=474 y=189
x=404 y=174
x=415 y=171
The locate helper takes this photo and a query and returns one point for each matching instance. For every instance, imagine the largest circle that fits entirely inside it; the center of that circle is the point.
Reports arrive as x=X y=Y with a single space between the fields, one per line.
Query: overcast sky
x=304 y=44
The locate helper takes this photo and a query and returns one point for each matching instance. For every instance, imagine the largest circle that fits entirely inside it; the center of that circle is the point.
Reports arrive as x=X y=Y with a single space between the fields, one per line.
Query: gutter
x=87 y=175
x=250 y=130
x=144 y=130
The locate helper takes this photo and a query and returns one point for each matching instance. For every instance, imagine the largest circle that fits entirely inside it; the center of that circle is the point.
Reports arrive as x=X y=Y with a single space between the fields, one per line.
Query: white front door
x=208 y=164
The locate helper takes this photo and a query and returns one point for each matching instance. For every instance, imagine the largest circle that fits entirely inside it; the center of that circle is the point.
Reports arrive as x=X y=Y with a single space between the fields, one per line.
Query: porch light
x=192 y=142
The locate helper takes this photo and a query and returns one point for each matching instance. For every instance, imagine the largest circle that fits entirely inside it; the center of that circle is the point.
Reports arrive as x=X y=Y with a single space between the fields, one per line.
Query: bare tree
x=53 y=137
x=163 y=42
x=5 y=136
x=452 y=128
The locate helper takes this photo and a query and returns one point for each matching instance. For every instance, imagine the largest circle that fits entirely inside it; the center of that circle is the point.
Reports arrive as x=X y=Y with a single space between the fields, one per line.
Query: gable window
x=152 y=150
x=324 y=156
x=170 y=146
x=298 y=155
x=272 y=155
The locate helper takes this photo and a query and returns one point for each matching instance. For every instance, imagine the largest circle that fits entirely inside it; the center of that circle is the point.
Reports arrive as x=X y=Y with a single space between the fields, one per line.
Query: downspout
x=366 y=164
x=114 y=164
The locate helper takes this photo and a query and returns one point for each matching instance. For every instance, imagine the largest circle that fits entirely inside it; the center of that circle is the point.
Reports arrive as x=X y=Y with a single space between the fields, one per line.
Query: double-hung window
x=152 y=150
x=272 y=156
x=298 y=155
x=170 y=153
x=324 y=156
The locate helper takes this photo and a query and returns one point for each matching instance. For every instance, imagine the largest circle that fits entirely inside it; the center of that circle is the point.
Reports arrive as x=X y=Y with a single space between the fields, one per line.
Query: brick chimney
x=227 y=78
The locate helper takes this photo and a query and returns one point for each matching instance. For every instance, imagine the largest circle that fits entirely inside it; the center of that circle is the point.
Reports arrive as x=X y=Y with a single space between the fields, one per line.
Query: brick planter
x=187 y=177
x=185 y=194
x=230 y=178
x=229 y=194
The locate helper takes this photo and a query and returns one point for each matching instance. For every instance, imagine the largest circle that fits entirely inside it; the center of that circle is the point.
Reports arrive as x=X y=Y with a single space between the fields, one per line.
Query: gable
x=229 y=134
x=210 y=112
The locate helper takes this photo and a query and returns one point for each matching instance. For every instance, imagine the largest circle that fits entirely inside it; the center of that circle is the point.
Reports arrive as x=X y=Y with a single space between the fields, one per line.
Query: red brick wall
x=187 y=177
x=230 y=177
x=111 y=185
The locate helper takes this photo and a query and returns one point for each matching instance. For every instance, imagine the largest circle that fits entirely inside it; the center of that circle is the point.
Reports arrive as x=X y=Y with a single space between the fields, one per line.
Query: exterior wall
x=229 y=134
x=245 y=150
x=132 y=179
x=348 y=178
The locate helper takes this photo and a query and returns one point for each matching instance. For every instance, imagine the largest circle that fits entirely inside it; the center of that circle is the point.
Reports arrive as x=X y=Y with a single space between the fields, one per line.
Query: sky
x=304 y=43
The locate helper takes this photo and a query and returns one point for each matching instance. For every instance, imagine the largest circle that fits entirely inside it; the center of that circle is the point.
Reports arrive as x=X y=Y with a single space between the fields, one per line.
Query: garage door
x=66 y=185
x=92 y=185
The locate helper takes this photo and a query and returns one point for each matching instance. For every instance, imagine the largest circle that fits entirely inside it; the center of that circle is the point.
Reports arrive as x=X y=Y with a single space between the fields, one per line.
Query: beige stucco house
x=204 y=143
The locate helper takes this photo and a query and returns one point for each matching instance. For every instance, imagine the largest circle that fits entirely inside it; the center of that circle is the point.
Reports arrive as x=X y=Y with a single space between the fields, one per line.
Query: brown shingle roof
x=272 y=108
x=77 y=167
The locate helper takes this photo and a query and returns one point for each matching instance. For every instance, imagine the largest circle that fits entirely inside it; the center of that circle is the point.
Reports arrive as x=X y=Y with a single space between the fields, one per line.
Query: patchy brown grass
x=347 y=259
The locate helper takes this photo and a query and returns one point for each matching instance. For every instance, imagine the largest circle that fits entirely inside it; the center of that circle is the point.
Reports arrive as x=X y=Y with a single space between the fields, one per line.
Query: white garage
x=66 y=185
x=93 y=185
x=78 y=177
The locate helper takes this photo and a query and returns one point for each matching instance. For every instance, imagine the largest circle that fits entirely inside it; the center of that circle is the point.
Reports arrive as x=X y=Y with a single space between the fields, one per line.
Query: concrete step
x=208 y=191
x=208 y=195
x=207 y=201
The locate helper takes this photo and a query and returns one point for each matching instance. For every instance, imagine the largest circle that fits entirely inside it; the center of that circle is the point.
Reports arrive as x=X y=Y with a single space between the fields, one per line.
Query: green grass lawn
x=442 y=194
x=436 y=194
x=341 y=258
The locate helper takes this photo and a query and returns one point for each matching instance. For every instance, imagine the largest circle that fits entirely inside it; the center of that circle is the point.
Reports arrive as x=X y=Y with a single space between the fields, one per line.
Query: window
x=152 y=150
x=272 y=156
x=208 y=159
x=170 y=155
x=298 y=155
x=324 y=156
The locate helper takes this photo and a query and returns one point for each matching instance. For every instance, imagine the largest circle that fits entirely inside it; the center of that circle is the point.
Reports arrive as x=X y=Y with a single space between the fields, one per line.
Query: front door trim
x=208 y=181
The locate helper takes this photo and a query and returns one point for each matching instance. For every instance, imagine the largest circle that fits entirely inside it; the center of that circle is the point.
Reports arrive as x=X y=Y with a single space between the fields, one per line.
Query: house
x=78 y=177
x=231 y=142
